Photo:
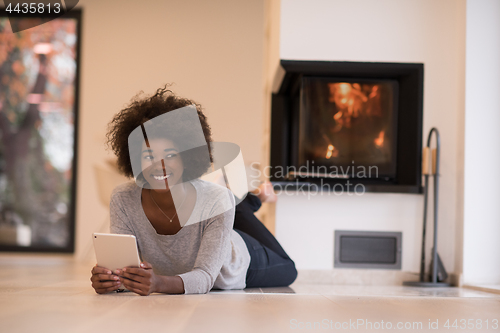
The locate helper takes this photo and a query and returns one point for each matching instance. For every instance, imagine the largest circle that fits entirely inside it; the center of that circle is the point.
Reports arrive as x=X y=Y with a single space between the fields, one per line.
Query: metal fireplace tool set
x=438 y=273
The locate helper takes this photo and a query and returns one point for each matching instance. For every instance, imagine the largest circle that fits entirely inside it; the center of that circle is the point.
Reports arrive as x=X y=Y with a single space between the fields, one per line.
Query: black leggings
x=270 y=266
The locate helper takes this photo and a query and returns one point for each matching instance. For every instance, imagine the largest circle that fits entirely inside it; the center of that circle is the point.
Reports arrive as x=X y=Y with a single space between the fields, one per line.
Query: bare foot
x=265 y=192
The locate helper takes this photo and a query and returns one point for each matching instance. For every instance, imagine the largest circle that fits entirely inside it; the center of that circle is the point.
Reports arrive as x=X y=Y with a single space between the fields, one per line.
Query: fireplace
x=348 y=123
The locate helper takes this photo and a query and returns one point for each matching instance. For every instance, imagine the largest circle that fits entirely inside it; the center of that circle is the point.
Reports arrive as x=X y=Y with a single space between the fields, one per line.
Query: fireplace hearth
x=347 y=124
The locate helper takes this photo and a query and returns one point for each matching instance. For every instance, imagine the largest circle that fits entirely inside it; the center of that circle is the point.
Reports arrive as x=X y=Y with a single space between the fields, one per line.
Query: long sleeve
x=214 y=248
x=118 y=217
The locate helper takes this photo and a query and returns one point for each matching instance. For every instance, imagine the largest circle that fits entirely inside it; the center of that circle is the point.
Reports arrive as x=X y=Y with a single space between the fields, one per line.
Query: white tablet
x=115 y=251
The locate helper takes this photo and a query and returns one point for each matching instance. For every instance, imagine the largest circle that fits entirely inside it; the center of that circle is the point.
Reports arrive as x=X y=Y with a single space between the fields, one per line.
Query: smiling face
x=161 y=164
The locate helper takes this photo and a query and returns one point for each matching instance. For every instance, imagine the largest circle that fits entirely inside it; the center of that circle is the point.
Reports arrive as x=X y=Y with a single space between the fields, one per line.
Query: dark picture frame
x=58 y=218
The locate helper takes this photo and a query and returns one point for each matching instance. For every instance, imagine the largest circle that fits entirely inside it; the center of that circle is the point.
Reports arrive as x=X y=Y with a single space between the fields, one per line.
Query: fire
x=331 y=151
x=379 y=141
x=353 y=100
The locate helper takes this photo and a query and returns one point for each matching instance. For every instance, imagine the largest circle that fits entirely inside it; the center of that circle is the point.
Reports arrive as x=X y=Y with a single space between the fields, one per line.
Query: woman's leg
x=270 y=266
x=246 y=221
x=267 y=269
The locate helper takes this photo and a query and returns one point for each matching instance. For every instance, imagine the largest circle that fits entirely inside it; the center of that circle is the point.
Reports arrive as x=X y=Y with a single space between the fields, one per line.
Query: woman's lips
x=162 y=177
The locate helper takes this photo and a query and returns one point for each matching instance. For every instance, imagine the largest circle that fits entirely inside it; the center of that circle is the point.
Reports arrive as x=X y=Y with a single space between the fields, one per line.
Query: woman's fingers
x=107 y=277
x=103 y=280
x=106 y=290
x=106 y=287
x=134 y=271
x=103 y=274
x=146 y=265
x=134 y=277
x=108 y=284
x=146 y=272
x=136 y=287
x=131 y=284
x=138 y=291
x=100 y=270
x=104 y=277
x=137 y=279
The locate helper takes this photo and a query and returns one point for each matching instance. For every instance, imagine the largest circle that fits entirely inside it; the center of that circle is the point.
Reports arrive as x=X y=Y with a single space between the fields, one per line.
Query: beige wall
x=212 y=50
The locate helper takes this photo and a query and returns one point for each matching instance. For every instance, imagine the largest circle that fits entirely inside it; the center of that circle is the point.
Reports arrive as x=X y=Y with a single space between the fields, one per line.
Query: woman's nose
x=160 y=164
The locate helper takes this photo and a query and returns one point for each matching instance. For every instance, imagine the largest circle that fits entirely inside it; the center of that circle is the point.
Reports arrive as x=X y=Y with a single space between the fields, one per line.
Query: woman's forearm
x=170 y=285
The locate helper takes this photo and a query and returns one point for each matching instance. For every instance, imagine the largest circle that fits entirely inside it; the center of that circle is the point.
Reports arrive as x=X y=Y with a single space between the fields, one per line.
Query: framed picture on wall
x=39 y=75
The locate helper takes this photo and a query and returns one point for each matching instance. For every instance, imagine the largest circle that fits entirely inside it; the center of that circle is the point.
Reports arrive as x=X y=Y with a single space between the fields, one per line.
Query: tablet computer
x=115 y=251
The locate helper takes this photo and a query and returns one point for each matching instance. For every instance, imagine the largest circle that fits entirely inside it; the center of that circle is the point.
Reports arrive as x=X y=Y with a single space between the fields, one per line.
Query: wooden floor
x=53 y=294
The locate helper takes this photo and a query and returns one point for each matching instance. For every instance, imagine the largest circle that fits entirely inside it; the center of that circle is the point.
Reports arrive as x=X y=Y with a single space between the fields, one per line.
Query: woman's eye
x=148 y=157
x=170 y=155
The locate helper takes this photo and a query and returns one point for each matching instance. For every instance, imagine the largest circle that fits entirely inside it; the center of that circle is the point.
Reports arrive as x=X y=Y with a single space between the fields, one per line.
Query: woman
x=190 y=236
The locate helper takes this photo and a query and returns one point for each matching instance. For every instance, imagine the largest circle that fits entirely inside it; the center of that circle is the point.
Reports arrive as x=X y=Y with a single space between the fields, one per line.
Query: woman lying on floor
x=190 y=235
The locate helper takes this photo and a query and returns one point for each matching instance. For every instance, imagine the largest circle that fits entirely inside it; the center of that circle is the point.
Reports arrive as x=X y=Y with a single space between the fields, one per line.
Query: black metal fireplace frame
x=285 y=110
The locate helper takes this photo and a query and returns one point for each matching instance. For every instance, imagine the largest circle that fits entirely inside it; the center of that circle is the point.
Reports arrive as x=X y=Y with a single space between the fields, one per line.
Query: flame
x=331 y=151
x=353 y=100
x=379 y=141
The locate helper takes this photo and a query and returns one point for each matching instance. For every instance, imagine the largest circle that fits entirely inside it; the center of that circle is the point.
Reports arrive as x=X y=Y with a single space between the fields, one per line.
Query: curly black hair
x=140 y=110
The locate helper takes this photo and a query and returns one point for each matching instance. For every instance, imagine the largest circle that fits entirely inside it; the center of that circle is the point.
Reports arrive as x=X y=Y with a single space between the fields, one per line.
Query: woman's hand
x=103 y=280
x=141 y=280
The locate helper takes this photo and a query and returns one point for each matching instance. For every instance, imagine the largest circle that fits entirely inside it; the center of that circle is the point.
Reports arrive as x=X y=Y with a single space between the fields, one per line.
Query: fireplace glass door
x=347 y=127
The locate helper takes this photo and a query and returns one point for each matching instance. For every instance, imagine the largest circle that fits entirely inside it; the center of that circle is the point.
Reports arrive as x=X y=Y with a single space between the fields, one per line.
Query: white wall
x=423 y=31
x=482 y=135
x=212 y=51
